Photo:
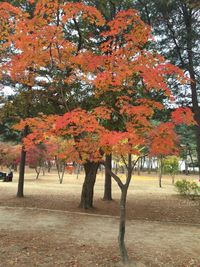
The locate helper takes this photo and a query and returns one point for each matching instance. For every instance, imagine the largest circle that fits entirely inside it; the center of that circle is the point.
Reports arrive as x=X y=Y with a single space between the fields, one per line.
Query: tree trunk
x=116 y=168
x=173 y=179
x=15 y=167
x=61 y=176
x=43 y=170
x=142 y=162
x=20 y=191
x=124 y=188
x=122 y=247
x=37 y=170
x=160 y=173
x=49 y=166
x=198 y=144
x=88 y=185
x=149 y=165
x=186 y=161
x=108 y=180
x=138 y=168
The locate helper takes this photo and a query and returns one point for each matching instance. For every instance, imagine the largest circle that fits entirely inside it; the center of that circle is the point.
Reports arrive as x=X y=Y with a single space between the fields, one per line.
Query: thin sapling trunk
x=60 y=169
x=37 y=170
x=124 y=189
x=160 y=171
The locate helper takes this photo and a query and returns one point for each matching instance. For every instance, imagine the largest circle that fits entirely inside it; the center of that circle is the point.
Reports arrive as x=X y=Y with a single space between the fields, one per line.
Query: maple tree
x=170 y=140
x=41 y=45
x=57 y=148
x=9 y=155
x=36 y=157
x=88 y=140
x=123 y=75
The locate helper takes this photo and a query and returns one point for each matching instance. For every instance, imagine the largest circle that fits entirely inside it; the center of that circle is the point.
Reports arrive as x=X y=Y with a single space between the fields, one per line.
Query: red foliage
x=120 y=65
x=163 y=140
x=9 y=154
x=183 y=116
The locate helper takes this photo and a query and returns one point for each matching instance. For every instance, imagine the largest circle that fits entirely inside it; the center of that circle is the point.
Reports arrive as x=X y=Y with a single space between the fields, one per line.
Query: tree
x=9 y=155
x=50 y=57
x=168 y=147
x=36 y=157
x=96 y=140
x=130 y=78
x=129 y=69
x=176 y=23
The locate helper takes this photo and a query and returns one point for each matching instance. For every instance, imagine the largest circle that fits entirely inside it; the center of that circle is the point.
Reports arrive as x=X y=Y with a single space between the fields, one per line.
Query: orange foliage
x=119 y=65
x=163 y=140
x=183 y=116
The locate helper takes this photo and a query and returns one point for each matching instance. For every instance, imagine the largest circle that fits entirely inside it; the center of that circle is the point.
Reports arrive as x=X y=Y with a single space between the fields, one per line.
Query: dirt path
x=31 y=237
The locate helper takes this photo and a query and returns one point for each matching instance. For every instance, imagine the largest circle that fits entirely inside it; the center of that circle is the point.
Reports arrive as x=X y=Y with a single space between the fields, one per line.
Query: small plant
x=187 y=188
x=171 y=166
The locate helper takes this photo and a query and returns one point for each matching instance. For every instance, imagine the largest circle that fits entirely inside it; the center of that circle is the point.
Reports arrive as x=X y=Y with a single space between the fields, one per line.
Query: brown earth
x=163 y=229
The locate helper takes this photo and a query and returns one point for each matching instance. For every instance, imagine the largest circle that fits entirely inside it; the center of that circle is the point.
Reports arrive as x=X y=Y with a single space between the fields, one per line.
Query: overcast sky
x=7 y=90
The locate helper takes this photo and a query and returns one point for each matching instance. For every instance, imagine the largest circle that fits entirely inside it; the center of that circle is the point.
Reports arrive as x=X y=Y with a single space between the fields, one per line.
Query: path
x=52 y=238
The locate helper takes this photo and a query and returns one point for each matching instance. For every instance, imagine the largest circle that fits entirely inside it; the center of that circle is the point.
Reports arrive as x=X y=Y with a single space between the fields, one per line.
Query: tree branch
x=80 y=40
x=115 y=177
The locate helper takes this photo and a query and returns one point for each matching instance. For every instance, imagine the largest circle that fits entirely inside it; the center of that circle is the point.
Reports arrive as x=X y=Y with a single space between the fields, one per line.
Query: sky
x=7 y=90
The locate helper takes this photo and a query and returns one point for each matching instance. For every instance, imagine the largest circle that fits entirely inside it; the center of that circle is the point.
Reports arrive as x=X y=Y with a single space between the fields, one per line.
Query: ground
x=46 y=228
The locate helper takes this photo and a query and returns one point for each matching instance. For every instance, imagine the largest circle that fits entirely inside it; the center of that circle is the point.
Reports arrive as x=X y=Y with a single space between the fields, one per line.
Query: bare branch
x=80 y=41
x=124 y=161
x=115 y=177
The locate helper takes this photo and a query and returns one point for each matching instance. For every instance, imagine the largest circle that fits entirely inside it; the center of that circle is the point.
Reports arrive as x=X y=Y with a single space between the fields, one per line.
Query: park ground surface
x=46 y=228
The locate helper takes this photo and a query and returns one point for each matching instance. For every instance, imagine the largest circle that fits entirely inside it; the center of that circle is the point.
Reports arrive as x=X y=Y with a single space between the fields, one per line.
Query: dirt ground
x=46 y=228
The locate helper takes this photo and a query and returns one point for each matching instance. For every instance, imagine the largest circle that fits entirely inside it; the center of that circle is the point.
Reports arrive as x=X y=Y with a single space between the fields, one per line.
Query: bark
x=198 y=144
x=49 y=166
x=186 y=161
x=116 y=168
x=43 y=170
x=37 y=170
x=108 y=180
x=124 y=189
x=173 y=179
x=122 y=247
x=186 y=167
x=20 y=191
x=191 y=158
x=60 y=166
x=160 y=173
x=149 y=165
x=15 y=167
x=77 y=171
x=160 y=179
x=138 y=168
x=61 y=176
x=142 y=162
x=88 y=185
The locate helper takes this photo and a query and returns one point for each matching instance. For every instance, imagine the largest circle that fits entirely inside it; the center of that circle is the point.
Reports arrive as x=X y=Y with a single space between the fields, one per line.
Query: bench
x=6 y=178
x=2 y=176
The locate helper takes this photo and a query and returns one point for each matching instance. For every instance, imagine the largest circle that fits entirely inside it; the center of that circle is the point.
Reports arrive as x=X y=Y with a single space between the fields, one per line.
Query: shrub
x=171 y=166
x=187 y=188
